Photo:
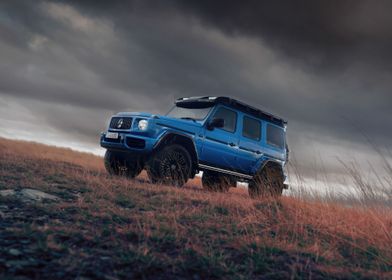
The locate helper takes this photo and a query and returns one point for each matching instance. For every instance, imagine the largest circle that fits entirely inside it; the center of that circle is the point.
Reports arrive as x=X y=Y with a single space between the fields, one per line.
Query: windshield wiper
x=188 y=118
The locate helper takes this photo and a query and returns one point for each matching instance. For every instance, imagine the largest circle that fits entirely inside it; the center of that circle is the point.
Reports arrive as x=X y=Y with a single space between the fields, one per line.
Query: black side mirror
x=216 y=123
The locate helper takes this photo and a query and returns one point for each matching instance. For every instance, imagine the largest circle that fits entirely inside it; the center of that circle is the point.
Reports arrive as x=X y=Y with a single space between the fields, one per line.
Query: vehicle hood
x=180 y=122
x=165 y=122
x=135 y=114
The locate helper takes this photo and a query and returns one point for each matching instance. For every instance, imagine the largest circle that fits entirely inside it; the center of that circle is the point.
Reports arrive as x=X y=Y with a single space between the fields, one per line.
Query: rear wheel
x=268 y=182
x=216 y=182
x=122 y=164
x=172 y=165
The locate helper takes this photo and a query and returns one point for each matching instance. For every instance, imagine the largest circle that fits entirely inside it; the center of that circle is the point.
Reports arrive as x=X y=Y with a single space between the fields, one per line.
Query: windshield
x=197 y=114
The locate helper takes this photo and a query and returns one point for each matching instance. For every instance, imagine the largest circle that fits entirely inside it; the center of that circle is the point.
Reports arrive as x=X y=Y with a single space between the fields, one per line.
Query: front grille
x=136 y=143
x=121 y=123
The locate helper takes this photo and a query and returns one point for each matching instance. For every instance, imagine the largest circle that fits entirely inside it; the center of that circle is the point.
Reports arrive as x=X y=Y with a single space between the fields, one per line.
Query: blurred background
x=325 y=66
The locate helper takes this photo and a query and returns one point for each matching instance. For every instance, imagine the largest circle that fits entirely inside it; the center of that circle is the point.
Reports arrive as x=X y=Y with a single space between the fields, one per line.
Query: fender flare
x=268 y=161
x=171 y=137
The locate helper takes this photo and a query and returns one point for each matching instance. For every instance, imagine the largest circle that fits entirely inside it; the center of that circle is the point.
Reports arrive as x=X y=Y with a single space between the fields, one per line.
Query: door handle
x=258 y=152
x=231 y=144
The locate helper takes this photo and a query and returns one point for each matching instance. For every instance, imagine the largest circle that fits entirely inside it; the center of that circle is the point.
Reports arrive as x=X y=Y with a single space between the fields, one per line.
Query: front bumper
x=128 y=142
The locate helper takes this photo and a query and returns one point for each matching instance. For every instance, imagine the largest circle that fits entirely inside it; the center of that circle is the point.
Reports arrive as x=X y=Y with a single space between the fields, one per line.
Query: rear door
x=250 y=144
x=220 y=145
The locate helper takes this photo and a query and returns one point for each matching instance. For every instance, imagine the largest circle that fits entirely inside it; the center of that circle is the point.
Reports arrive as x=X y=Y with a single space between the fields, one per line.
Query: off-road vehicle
x=226 y=139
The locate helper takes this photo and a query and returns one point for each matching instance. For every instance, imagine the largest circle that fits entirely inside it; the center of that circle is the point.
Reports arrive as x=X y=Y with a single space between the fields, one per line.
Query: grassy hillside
x=113 y=228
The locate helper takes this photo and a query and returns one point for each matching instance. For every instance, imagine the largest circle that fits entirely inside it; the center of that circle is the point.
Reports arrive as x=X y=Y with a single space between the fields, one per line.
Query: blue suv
x=226 y=139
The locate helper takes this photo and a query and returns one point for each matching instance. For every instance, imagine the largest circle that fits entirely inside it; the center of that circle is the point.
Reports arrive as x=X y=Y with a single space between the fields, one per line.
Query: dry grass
x=110 y=227
x=44 y=152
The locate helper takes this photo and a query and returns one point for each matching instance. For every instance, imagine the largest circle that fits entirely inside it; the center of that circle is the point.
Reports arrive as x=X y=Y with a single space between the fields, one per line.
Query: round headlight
x=143 y=124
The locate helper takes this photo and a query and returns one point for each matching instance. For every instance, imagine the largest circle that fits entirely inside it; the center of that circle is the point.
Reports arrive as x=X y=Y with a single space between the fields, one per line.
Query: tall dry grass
x=343 y=239
x=60 y=154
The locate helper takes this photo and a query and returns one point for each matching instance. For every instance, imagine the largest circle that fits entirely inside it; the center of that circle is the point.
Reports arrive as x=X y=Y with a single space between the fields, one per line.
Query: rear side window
x=229 y=116
x=275 y=136
x=251 y=128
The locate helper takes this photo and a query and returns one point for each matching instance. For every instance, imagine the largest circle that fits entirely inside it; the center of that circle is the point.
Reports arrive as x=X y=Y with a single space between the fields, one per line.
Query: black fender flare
x=271 y=162
x=182 y=139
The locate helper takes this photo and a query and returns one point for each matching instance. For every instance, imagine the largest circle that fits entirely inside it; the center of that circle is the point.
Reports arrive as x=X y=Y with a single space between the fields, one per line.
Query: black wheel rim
x=173 y=168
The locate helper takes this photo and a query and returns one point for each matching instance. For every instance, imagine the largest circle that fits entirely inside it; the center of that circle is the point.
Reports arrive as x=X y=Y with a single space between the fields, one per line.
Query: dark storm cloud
x=342 y=46
x=324 y=65
x=313 y=31
x=316 y=31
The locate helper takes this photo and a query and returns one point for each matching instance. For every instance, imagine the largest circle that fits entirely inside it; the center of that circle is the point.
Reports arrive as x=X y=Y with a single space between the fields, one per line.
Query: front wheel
x=268 y=182
x=122 y=165
x=172 y=166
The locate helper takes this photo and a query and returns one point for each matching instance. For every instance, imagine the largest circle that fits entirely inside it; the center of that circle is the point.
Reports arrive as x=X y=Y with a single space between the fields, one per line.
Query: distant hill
x=62 y=216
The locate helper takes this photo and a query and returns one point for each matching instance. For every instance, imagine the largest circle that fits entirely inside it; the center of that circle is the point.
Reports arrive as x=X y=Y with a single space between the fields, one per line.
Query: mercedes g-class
x=226 y=139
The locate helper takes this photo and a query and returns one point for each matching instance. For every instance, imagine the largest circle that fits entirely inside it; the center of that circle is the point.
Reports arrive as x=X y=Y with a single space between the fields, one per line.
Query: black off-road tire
x=122 y=165
x=216 y=182
x=267 y=183
x=170 y=166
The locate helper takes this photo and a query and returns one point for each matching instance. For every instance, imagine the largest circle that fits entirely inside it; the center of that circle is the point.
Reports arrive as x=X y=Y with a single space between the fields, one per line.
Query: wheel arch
x=183 y=140
x=271 y=163
x=262 y=184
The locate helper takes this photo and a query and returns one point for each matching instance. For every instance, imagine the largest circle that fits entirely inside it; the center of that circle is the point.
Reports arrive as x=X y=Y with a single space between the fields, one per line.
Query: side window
x=251 y=128
x=229 y=116
x=275 y=136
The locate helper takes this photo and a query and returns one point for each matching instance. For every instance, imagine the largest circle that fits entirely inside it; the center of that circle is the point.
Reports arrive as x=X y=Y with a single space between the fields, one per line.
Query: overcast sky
x=325 y=66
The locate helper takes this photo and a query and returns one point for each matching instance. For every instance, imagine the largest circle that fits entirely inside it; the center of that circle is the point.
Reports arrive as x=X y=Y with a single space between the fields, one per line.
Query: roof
x=206 y=101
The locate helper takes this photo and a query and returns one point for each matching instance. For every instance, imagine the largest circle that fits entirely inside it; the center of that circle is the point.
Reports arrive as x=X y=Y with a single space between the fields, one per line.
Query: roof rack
x=232 y=103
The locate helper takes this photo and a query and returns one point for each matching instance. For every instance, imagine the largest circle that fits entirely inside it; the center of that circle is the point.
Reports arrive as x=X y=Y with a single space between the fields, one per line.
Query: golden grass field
x=115 y=228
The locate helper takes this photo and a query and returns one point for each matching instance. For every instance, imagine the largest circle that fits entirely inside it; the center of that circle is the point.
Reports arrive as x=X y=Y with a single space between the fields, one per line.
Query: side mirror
x=216 y=123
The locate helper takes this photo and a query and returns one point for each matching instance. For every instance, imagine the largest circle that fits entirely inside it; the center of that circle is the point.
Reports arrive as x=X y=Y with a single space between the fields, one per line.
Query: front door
x=220 y=145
